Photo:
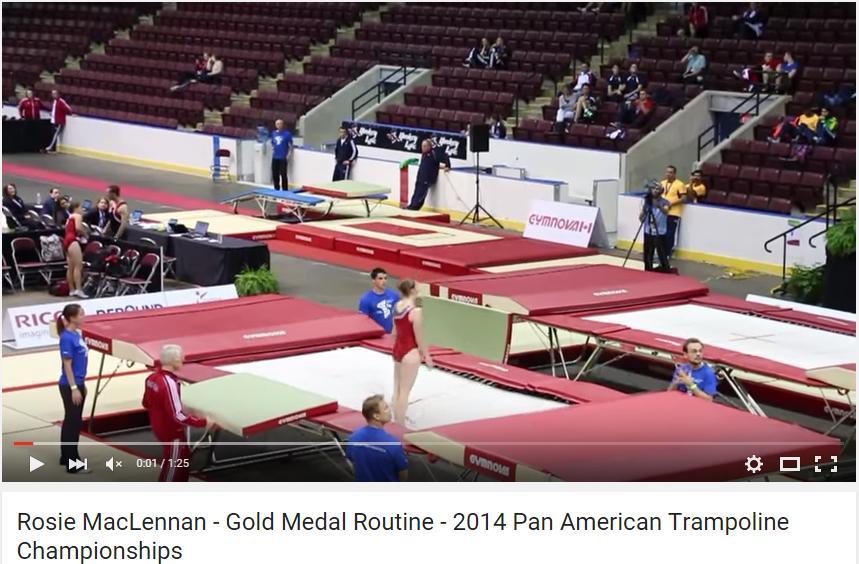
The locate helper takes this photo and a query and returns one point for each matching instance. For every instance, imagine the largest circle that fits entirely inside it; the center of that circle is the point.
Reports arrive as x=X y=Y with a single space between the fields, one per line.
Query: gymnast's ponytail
x=405 y=287
x=71 y=310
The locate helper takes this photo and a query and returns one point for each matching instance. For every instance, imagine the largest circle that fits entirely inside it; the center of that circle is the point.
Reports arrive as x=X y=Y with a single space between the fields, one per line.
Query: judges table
x=26 y=136
x=204 y=262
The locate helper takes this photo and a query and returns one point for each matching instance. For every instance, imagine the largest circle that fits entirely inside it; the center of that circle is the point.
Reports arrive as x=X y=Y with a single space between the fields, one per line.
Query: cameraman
x=654 y=216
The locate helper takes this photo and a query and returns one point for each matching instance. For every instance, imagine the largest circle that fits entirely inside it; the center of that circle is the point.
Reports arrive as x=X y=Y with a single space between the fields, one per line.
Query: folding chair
x=111 y=285
x=148 y=266
x=27 y=260
x=7 y=275
x=218 y=169
x=169 y=262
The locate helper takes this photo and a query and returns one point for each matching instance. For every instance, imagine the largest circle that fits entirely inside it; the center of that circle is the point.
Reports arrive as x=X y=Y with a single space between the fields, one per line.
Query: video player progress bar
x=439 y=443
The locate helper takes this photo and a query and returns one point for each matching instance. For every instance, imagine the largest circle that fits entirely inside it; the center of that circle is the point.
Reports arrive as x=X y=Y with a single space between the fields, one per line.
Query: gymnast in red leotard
x=73 y=242
x=409 y=347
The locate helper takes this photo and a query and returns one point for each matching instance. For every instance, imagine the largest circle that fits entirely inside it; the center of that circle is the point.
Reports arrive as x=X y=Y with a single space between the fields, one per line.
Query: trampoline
x=223 y=223
x=778 y=352
x=425 y=245
x=636 y=438
x=568 y=289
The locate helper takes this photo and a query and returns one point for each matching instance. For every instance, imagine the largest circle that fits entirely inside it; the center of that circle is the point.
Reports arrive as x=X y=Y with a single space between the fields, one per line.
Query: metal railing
x=712 y=132
x=375 y=93
x=834 y=208
x=783 y=235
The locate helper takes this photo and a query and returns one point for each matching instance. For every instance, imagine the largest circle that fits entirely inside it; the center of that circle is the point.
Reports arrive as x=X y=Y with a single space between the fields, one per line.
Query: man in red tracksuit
x=59 y=110
x=168 y=419
x=30 y=107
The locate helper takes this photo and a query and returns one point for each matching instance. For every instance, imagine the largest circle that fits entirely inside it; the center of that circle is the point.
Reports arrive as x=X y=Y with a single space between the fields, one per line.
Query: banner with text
x=30 y=326
x=557 y=222
x=399 y=138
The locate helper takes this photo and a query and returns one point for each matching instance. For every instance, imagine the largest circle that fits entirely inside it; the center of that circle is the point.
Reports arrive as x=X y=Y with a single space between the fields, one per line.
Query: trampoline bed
x=636 y=438
x=567 y=290
x=262 y=325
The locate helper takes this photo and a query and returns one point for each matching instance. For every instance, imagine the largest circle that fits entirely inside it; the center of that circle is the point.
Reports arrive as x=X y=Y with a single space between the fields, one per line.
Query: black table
x=206 y=263
x=26 y=136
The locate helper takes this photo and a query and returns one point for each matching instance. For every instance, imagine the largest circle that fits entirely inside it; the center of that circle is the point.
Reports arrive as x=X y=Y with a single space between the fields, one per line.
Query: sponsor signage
x=406 y=139
x=465 y=297
x=31 y=326
x=557 y=222
x=490 y=465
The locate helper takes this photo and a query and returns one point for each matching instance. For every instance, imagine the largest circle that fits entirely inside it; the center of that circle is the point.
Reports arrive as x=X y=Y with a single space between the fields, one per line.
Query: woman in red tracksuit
x=169 y=421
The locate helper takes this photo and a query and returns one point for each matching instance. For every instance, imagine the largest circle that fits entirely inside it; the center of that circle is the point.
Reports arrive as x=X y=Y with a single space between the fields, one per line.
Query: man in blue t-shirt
x=378 y=303
x=695 y=377
x=375 y=454
x=281 y=147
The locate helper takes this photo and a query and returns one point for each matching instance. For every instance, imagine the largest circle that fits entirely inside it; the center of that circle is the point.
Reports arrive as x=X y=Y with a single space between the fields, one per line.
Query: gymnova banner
x=29 y=327
x=405 y=138
x=570 y=224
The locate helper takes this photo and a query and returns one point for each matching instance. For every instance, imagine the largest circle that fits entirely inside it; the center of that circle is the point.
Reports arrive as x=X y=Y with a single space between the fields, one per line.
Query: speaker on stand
x=478 y=142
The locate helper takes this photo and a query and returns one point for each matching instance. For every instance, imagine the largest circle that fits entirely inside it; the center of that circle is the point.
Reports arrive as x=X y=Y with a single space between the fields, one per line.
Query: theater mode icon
x=789 y=464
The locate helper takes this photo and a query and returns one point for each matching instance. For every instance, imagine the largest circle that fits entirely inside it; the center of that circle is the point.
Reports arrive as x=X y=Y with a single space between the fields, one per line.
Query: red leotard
x=71 y=233
x=405 y=337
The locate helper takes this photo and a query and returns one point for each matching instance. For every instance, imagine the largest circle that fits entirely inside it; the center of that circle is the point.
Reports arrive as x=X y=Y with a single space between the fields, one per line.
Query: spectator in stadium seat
x=654 y=216
x=499 y=55
x=694 y=377
x=763 y=74
x=433 y=159
x=837 y=98
x=826 y=128
x=804 y=127
x=636 y=113
x=698 y=20
x=281 y=144
x=59 y=111
x=616 y=85
x=586 y=106
x=749 y=25
x=674 y=191
x=479 y=57
x=585 y=76
x=498 y=129
x=374 y=454
x=634 y=83
x=566 y=105
x=213 y=75
x=16 y=205
x=99 y=216
x=345 y=153
x=696 y=63
x=695 y=190
x=786 y=73
x=30 y=107
x=49 y=206
x=202 y=66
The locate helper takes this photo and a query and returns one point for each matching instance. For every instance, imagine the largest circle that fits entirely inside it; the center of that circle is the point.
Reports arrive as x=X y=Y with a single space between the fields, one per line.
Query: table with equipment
x=205 y=261
x=26 y=136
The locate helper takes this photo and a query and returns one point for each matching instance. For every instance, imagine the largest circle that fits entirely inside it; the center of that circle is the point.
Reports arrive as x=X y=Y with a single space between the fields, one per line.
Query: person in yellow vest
x=674 y=191
x=696 y=190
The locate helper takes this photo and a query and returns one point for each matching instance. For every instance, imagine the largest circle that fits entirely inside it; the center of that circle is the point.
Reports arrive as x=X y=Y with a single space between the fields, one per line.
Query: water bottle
x=38 y=197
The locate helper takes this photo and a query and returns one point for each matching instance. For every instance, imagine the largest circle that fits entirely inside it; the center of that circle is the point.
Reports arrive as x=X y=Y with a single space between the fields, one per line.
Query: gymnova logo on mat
x=480 y=461
x=265 y=335
x=610 y=292
x=98 y=344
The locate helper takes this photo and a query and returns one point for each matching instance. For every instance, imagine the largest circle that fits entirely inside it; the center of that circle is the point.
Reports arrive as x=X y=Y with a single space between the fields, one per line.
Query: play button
x=35 y=464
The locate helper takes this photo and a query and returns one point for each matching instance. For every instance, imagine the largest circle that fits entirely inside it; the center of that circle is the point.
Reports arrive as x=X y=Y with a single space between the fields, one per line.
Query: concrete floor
x=325 y=283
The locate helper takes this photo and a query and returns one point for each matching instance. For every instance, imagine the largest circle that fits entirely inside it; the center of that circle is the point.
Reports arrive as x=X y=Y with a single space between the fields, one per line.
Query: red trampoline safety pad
x=369 y=247
x=308 y=235
x=391 y=229
x=465 y=258
x=572 y=289
x=247 y=328
x=661 y=436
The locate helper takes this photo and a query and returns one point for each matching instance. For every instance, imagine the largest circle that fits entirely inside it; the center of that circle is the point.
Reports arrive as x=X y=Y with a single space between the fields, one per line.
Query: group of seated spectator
x=748 y=25
x=772 y=74
x=54 y=210
x=622 y=89
x=489 y=56
x=207 y=69
x=811 y=128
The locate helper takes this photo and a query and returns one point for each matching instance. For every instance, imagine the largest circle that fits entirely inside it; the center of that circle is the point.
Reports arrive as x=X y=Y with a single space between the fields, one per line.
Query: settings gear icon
x=754 y=464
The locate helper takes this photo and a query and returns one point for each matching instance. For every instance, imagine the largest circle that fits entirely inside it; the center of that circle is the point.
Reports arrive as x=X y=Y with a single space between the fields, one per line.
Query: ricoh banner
x=399 y=138
x=30 y=326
